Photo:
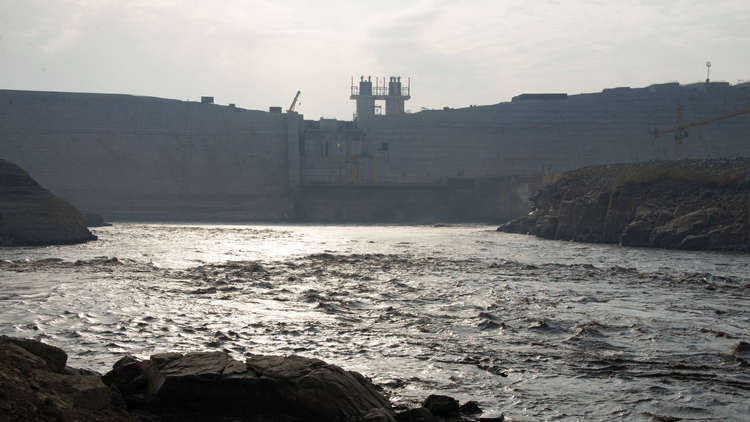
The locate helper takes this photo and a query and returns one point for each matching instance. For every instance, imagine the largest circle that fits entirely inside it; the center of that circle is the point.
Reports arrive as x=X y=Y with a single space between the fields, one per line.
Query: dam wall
x=487 y=200
x=142 y=157
x=535 y=134
x=130 y=157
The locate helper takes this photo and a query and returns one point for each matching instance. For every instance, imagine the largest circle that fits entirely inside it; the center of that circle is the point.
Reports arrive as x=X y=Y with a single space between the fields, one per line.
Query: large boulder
x=54 y=357
x=209 y=385
x=36 y=386
x=31 y=215
x=440 y=405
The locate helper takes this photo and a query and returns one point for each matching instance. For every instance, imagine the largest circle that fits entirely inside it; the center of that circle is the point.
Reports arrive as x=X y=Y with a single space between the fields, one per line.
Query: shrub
x=651 y=175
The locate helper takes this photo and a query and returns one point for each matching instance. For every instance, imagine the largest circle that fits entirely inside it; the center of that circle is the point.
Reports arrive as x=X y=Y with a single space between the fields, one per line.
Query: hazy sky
x=258 y=53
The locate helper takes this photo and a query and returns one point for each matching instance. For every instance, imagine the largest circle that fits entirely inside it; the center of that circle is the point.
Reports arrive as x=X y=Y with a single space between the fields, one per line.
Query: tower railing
x=381 y=90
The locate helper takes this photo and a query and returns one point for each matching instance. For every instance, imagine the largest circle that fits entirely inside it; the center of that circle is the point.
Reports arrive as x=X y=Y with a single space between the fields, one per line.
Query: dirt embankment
x=693 y=204
x=31 y=215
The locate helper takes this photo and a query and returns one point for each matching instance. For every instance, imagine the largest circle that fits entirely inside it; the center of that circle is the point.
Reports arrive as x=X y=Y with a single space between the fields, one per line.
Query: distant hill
x=30 y=215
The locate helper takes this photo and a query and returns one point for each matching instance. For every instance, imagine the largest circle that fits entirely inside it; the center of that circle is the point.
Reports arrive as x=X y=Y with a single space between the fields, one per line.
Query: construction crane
x=294 y=102
x=680 y=131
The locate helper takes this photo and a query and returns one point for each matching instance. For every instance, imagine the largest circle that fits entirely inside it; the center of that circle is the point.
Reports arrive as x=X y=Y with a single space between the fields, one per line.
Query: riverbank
x=199 y=386
x=692 y=204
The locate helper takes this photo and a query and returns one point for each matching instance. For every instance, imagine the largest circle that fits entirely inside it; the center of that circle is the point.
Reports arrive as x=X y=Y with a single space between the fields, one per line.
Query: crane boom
x=680 y=133
x=682 y=126
x=294 y=102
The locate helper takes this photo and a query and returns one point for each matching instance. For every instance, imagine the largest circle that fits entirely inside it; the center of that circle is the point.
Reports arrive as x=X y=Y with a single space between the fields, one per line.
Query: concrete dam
x=145 y=158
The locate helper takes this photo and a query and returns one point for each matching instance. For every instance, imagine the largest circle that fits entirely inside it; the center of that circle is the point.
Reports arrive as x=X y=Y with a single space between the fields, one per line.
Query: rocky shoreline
x=692 y=204
x=36 y=384
x=32 y=216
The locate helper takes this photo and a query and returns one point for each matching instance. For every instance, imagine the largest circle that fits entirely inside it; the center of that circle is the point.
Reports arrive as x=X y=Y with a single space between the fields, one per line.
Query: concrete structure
x=293 y=147
x=365 y=96
x=140 y=157
x=540 y=134
x=394 y=102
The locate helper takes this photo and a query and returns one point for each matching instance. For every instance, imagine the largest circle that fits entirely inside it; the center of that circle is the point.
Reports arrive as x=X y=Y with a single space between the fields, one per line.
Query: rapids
x=534 y=329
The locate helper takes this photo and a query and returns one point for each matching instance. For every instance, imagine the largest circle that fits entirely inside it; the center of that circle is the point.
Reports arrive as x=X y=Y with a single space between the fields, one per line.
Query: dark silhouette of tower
x=394 y=95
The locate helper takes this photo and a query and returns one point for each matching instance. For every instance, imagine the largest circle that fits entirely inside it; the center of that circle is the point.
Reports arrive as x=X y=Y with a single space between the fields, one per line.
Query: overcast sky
x=259 y=53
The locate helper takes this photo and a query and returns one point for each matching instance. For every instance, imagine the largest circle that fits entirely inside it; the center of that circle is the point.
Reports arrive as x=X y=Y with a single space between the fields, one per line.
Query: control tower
x=393 y=93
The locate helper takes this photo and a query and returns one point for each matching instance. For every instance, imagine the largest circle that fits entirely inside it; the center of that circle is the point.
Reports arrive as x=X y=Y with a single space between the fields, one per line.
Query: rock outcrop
x=211 y=385
x=36 y=384
x=31 y=215
x=697 y=204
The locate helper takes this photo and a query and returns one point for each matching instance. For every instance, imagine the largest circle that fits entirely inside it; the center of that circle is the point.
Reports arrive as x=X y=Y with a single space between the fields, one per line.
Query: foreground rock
x=698 y=205
x=31 y=215
x=437 y=408
x=36 y=384
x=211 y=385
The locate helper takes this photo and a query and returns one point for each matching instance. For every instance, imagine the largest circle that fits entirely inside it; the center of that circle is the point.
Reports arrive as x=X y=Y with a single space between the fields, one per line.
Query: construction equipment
x=680 y=131
x=294 y=103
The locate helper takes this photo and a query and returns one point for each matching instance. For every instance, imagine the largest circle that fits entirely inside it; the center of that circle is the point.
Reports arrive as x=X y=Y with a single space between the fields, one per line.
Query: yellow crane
x=294 y=102
x=680 y=131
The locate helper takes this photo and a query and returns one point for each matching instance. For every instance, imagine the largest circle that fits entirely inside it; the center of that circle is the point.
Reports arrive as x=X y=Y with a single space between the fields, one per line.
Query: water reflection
x=532 y=328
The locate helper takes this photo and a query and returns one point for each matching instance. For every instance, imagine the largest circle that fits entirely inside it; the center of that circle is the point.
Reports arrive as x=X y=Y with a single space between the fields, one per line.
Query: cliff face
x=696 y=204
x=31 y=215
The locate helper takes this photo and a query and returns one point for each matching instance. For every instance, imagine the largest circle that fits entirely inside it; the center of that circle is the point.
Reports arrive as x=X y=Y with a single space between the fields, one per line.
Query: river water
x=534 y=329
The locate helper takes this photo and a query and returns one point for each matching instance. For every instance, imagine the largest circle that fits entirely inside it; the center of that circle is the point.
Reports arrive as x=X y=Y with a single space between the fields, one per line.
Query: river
x=531 y=328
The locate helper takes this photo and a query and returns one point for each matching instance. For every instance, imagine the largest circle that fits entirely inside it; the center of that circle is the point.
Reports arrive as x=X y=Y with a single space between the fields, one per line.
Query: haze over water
x=532 y=328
